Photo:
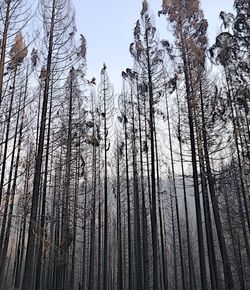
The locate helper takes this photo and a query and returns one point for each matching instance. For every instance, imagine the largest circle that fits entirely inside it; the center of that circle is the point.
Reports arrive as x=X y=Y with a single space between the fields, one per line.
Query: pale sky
x=108 y=27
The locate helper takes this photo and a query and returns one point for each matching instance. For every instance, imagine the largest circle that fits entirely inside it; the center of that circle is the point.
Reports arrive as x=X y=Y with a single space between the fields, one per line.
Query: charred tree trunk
x=28 y=272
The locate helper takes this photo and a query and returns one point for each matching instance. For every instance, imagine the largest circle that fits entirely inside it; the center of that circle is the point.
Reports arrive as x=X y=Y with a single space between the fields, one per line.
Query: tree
x=54 y=13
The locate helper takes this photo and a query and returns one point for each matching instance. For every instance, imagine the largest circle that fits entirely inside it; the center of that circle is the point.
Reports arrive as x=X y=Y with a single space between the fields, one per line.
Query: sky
x=108 y=27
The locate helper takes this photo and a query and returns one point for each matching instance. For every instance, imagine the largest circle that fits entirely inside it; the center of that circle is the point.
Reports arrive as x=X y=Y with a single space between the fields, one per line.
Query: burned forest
x=139 y=186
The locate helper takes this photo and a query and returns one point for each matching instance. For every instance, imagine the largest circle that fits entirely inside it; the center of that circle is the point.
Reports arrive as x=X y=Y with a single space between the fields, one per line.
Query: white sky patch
x=108 y=27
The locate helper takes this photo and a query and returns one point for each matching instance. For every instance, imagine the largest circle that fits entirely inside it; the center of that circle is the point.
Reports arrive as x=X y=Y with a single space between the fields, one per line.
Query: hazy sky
x=108 y=27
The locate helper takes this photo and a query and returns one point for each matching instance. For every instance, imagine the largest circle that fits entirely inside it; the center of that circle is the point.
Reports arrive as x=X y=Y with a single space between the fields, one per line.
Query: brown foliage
x=18 y=51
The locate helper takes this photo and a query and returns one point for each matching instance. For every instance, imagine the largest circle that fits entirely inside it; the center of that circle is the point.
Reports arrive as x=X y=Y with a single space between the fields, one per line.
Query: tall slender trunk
x=3 y=48
x=153 y=182
x=119 y=225
x=6 y=223
x=137 y=210
x=24 y=220
x=7 y=132
x=233 y=239
x=206 y=207
x=9 y=182
x=43 y=211
x=130 y=283
x=192 y=283
x=28 y=272
x=203 y=274
x=74 y=234
x=225 y=258
x=105 y=233
x=66 y=238
x=83 y=278
x=93 y=218
x=241 y=213
x=174 y=242
x=176 y=198
x=99 y=266
x=144 y=210
x=236 y=139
